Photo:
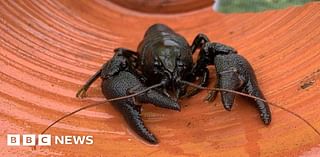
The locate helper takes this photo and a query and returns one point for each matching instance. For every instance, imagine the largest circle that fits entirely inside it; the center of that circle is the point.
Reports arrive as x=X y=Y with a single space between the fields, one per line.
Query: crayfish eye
x=180 y=64
x=157 y=63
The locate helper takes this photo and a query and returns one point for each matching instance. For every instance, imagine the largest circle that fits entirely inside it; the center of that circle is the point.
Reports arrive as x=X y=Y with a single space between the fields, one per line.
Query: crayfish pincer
x=233 y=72
x=118 y=80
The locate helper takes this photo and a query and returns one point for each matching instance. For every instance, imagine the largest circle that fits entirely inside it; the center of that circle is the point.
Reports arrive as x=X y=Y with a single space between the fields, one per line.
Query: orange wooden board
x=48 y=49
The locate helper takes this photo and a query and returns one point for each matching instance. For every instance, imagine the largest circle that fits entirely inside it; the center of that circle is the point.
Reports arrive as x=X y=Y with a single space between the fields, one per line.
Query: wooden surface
x=164 y=7
x=48 y=49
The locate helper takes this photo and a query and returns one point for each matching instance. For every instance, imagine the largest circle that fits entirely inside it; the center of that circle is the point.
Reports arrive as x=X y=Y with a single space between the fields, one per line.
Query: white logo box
x=28 y=140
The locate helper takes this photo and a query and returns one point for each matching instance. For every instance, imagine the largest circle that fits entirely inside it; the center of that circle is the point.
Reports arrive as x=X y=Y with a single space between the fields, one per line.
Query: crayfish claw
x=131 y=114
x=235 y=73
x=263 y=107
x=159 y=99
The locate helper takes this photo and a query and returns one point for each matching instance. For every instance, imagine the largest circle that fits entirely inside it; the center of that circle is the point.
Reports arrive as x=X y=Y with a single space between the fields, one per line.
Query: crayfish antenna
x=99 y=103
x=191 y=84
x=256 y=98
x=296 y=115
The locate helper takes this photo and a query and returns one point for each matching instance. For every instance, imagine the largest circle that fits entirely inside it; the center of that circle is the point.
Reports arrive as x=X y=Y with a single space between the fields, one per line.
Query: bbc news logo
x=46 y=140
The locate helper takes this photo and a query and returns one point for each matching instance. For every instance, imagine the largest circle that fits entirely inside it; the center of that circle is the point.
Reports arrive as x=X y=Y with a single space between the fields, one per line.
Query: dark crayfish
x=164 y=58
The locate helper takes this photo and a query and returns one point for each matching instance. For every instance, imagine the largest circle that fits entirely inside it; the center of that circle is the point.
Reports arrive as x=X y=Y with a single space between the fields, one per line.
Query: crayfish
x=164 y=60
x=163 y=67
